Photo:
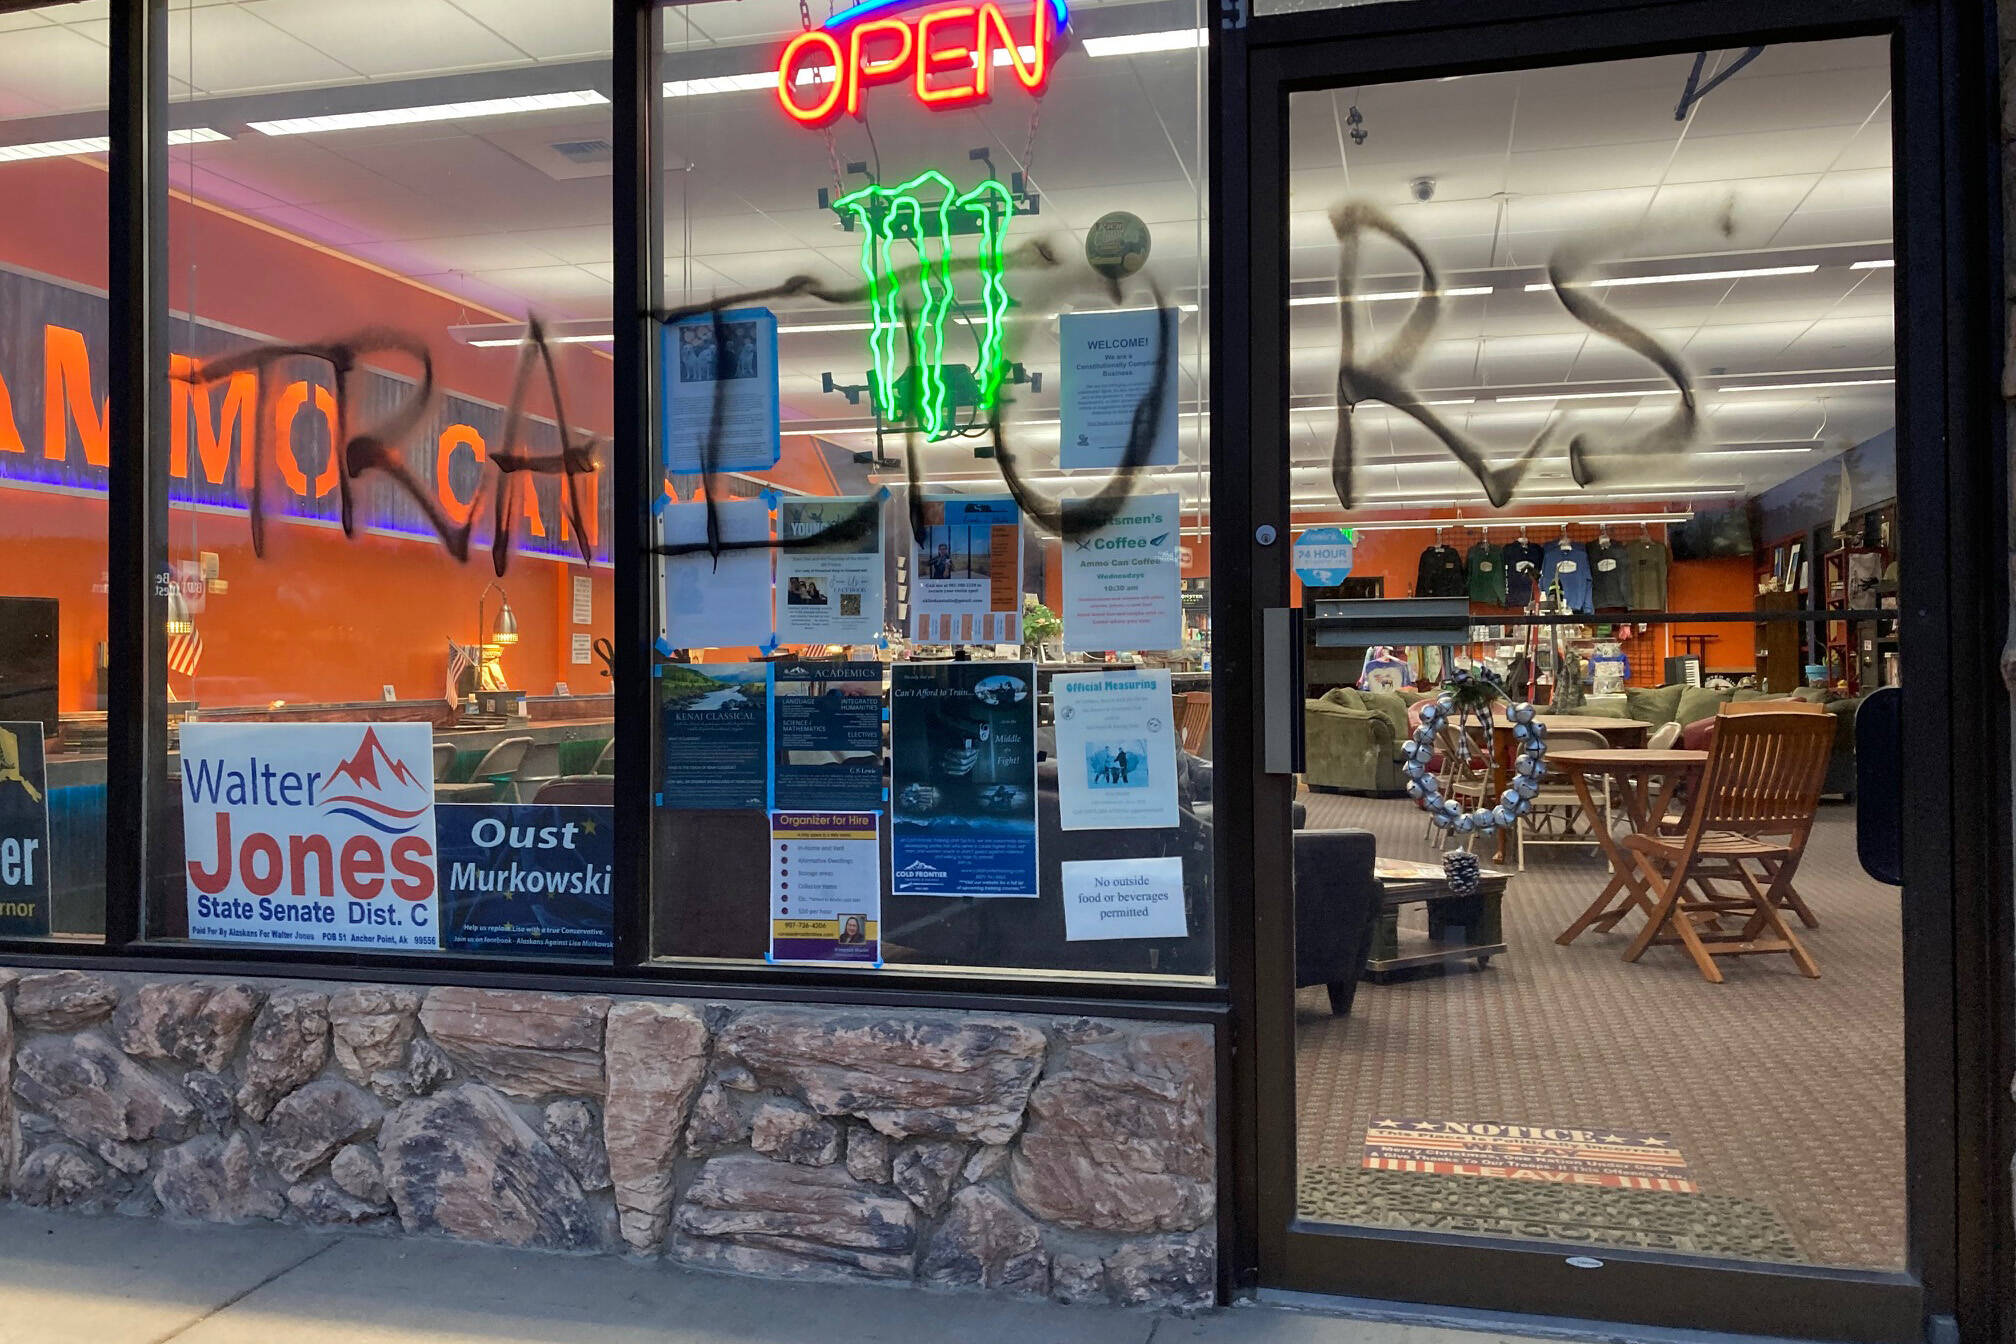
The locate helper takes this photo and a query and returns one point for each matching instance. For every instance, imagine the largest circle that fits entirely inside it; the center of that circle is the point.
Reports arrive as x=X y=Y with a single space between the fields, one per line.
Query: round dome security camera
x=1423 y=188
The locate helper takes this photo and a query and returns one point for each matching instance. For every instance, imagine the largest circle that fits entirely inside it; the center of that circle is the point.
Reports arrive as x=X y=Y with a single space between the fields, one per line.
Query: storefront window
x=388 y=672
x=55 y=454
x=934 y=658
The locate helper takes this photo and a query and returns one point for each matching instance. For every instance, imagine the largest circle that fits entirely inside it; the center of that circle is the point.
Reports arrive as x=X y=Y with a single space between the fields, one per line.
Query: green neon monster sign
x=887 y=216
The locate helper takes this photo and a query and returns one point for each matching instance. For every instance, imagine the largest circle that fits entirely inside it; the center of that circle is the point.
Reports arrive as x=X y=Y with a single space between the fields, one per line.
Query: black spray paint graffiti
x=380 y=447
x=1381 y=375
x=1036 y=257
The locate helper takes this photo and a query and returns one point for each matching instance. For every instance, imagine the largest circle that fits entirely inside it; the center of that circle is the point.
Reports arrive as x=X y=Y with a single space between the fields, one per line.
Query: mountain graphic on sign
x=382 y=792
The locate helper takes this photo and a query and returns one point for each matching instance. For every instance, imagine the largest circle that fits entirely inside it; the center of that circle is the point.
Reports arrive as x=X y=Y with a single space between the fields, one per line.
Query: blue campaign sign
x=721 y=410
x=1323 y=556
x=526 y=877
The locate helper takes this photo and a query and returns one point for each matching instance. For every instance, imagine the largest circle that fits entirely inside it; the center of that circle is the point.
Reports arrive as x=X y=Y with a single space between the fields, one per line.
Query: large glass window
x=934 y=668
x=390 y=264
x=56 y=447
x=1661 y=1009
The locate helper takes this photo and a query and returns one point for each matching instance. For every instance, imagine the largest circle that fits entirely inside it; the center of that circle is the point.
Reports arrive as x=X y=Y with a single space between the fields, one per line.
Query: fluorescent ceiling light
x=757 y=79
x=494 y=342
x=1756 y=452
x=1140 y=44
x=1884 y=265
x=1592 y=396
x=825 y=326
x=1382 y=296
x=1803 y=387
x=98 y=144
x=407 y=116
x=1619 y=281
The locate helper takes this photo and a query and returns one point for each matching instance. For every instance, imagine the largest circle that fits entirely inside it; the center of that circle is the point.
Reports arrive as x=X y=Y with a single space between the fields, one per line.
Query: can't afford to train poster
x=963 y=779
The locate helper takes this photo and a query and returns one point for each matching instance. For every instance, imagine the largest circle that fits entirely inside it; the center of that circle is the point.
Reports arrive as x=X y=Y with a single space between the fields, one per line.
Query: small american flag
x=460 y=660
x=184 y=652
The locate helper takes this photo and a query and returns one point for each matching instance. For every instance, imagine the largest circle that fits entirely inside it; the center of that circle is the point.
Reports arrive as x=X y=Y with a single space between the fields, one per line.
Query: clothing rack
x=1514 y=524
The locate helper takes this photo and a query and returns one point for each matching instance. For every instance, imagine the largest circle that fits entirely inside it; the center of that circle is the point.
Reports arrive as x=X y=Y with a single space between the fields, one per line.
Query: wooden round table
x=1634 y=770
x=1621 y=733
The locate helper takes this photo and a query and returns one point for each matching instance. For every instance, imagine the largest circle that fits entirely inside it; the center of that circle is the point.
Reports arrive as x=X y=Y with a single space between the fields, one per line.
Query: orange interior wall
x=1718 y=583
x=321 y=617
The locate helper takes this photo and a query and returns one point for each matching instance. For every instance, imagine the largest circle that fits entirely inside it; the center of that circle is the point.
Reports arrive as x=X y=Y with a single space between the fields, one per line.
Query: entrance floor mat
x=1551 y=1211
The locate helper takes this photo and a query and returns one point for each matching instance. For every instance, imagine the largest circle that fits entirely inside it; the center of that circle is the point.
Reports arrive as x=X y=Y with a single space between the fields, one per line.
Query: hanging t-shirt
x=1385 y=671
x=1608 y=574
x=1522 y=561
x=1646 y=561
x=1567 y=564
x=1487 y=575
x=1441 y=573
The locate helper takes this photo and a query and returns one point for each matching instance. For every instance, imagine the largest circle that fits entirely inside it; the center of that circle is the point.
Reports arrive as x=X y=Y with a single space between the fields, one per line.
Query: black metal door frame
x=1952 y=481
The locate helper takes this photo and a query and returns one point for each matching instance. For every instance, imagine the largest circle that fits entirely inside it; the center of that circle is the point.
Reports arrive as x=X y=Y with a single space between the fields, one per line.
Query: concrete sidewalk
x=68 y=1279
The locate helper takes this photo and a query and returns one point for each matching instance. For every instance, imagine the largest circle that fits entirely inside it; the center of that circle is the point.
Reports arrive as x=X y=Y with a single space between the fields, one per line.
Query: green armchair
x=1353 y=742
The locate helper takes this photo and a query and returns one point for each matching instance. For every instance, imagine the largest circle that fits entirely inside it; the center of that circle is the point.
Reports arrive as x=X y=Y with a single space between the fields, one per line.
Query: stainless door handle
x=1281 y=676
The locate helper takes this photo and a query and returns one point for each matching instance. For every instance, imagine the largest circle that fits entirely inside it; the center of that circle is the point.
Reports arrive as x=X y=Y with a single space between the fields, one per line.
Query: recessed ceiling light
x=407 y=116
x=1619 y=281
x=98 y=144
x=1592 y=396
x=1140 y=44
x=1804 y=387
x=1383 y=296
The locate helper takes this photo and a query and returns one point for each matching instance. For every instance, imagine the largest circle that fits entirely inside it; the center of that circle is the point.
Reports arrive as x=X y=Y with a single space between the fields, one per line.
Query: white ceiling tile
x=224 y=49
x=557 y=30
x=50 y=69
x=382 y=38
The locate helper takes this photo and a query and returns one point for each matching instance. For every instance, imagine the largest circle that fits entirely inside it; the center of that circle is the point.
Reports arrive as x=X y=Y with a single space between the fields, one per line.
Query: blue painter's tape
x=769 y=498
x=664 y=646
x=660 y=504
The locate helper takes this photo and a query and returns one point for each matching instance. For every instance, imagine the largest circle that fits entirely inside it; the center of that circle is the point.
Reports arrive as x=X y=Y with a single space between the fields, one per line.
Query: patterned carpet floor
x=1784 y=1095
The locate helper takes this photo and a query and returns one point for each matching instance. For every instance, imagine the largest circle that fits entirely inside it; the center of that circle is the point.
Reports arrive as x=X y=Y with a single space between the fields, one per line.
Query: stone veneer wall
x=1019 y=1154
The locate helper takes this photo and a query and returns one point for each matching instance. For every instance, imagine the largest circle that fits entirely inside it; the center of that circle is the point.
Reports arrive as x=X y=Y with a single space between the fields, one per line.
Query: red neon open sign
x=948 y=51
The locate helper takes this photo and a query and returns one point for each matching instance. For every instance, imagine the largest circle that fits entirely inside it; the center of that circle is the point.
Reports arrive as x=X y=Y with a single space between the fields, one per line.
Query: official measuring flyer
x=526 y=877
x=720 y=387
x=963 y=782
x=714 y=727
x=1123 y=579
x=967 y=586
x=826 y=887
x=826 y=732
x=1116 y=750
x=1119 y=372
x=829 y=570
x=311 y=833
x=24 y=832
x=706 y=600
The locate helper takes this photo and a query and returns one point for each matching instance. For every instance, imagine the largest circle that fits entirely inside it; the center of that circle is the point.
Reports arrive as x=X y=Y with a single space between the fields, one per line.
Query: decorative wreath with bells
x=1514 y=803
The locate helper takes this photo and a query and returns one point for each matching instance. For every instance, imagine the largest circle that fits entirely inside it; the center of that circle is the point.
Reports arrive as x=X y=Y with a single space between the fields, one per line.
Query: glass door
x=1589 y=455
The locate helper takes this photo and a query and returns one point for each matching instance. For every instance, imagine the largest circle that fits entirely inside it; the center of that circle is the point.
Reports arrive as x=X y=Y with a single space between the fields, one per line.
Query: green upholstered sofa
x=1353 y=741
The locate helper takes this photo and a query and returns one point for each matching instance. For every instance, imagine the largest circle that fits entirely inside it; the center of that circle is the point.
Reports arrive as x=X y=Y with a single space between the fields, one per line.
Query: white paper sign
x=1124 y=898
x=310 y=833
x=829 y=590
x=707 y=601
x=1109 y=363
x=584 y=600
x=1116 y=750
x=1123 y=582
x=582 y=649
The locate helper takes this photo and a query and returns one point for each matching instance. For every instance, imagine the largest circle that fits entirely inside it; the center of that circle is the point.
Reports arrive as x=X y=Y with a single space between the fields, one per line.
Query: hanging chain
x=1029 y=149
x=832 y=151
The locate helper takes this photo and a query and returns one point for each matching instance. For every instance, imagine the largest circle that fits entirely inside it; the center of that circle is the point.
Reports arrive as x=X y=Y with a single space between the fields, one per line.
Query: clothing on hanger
x=1487 y=575
x=1567 y=565
x=1609 y=575
x=1386 y=669
x=1646 y=562
x=1608 y=669
x=1441 y=573
x=1522 y=560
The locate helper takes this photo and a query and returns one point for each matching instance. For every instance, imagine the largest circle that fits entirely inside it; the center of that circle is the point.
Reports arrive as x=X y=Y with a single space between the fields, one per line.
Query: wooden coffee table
x=1460 y=928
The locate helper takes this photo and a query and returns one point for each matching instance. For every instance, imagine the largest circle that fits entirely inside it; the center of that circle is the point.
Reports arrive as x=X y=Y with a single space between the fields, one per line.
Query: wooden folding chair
x=1754 y=807
x=1197 y=724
